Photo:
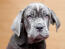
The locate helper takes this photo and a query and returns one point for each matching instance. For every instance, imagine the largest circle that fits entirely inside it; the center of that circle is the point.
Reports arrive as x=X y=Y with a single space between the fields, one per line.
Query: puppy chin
x=31 y=40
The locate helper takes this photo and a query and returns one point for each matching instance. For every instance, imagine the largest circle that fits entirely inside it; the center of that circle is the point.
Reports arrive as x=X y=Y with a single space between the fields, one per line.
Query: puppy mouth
x=36 y=40
x=40 y=39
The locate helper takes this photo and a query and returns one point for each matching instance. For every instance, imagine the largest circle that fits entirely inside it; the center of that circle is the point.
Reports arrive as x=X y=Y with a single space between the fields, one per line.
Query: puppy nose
x=39 y=28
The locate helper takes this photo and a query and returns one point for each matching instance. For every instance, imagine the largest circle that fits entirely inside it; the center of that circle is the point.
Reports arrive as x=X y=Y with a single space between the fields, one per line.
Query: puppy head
x=36 y=19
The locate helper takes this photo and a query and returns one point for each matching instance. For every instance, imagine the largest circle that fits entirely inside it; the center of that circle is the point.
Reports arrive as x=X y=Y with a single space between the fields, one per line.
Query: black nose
x=39 y=28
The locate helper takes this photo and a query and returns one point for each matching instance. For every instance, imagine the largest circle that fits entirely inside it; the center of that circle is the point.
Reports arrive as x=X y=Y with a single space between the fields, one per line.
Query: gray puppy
x=31 y=27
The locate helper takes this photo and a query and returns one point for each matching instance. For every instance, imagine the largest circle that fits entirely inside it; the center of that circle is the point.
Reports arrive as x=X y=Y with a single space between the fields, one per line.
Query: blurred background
x=9 y=10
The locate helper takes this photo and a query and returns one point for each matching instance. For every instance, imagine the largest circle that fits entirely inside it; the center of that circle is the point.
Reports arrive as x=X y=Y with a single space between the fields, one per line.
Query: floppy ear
x=17 y=24
x=54 y=20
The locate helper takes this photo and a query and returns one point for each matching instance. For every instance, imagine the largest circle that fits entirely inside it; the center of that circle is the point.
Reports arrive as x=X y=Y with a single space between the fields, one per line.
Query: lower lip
x=36 y=40
x=41 y=39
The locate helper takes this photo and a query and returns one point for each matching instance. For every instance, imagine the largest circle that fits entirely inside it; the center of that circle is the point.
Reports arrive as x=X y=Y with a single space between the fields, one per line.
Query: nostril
x=39 y=28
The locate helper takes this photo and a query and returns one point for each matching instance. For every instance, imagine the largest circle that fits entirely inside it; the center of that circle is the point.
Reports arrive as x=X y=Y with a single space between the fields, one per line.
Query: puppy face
x=36 y=20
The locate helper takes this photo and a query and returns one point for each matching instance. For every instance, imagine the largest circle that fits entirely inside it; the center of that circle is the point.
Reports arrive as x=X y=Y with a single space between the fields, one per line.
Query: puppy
x=31 y=27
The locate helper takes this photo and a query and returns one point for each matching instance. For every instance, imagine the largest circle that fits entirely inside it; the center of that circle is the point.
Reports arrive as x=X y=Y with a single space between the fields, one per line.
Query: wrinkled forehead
x=36 y=8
